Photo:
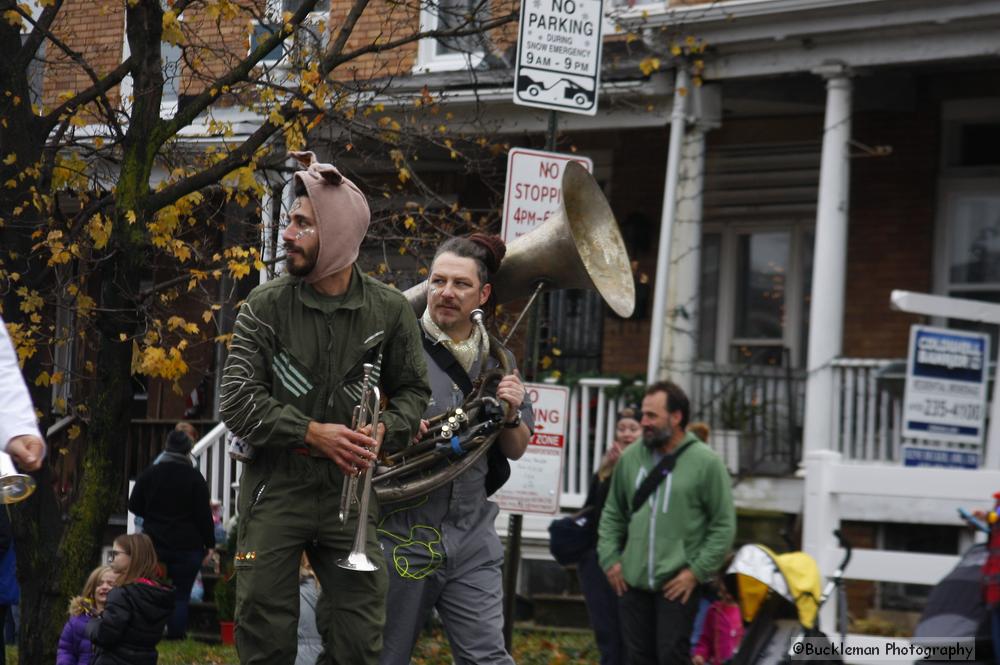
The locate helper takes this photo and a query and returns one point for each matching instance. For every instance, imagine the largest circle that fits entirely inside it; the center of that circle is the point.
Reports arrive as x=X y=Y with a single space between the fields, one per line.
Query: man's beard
x=654 y=439
x=303 y=269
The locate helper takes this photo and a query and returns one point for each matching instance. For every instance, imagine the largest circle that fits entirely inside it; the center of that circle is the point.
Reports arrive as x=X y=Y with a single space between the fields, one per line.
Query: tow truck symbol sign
x=562 y=88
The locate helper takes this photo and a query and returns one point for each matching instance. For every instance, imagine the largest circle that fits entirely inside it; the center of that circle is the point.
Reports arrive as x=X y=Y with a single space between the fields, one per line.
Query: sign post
x=559 y=55
x=535 y=482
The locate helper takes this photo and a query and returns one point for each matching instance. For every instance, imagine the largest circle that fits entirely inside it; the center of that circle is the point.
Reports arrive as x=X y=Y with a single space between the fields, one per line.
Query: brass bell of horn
x=578 y=247
x=14 y=486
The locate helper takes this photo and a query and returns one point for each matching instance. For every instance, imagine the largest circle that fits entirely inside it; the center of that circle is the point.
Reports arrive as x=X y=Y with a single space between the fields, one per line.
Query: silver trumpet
x=14 y=486
x=366 y=414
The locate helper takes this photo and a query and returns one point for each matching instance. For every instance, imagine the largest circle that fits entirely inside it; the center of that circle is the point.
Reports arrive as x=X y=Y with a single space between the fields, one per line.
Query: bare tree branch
x=194 y=107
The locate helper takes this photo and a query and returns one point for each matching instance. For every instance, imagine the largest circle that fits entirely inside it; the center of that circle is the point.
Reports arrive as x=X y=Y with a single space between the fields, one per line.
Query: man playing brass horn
x=292 y=379
x=19 y=435
x=442 y=548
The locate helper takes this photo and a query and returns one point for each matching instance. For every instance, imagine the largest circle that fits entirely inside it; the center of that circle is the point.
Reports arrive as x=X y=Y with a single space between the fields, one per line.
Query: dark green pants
x=289 y=504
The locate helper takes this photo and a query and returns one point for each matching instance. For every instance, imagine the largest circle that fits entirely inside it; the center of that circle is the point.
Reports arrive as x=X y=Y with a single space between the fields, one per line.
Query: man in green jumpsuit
x=289 y=387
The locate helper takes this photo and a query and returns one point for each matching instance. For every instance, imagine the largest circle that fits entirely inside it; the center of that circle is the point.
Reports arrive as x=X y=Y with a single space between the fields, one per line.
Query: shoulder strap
x=446 y=360
x=657 y=476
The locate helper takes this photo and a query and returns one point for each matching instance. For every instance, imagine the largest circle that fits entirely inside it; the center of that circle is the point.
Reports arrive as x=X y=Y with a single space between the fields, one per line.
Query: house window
x=171 y=56
x=309 y=40
x=755 y=293
x=442 y=53
x=322 y=6
x=968 y=227
x=171 y=62
x=708 y=296
x=971 y=231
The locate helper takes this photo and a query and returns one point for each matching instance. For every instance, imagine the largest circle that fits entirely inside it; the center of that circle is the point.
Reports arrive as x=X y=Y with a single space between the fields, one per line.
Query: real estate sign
x=559 y=55
x=946 y=376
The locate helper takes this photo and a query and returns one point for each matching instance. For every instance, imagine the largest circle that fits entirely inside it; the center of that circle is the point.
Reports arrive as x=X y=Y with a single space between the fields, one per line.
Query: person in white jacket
x=19 y=435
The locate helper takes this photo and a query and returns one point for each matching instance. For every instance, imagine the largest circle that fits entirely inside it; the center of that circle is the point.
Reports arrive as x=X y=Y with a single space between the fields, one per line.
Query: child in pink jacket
x=721 y=632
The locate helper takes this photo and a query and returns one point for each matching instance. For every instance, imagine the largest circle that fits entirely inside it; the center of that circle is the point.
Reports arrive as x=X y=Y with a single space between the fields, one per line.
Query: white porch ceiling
x=750 y=38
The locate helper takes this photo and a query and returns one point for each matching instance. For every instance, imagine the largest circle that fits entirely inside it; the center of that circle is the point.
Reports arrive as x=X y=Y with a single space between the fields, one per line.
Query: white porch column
x=826 y=312
x=820 y=517
x=658 y=315
x=680 y=347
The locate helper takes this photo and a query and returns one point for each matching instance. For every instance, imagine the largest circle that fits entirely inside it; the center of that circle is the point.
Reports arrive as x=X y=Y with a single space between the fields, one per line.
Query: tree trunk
x=56 y=551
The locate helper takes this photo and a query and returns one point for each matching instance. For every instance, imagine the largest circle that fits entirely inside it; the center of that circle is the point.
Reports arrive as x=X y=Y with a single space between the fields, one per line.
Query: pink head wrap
x=342 y=215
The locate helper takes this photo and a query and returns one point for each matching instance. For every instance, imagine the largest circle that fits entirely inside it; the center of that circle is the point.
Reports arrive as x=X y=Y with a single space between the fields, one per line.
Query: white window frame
x=274 y=12
x=168 y=105
x=957 y=182
x=730 y=233
x=429 y=60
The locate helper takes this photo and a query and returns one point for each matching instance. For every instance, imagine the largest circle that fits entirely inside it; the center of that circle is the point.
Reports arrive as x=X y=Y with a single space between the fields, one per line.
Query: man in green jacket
x=289 y=388
x=655 y=554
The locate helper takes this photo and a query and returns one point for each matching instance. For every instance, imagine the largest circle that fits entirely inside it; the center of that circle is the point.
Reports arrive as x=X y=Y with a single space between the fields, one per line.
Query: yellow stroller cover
x=793 y=576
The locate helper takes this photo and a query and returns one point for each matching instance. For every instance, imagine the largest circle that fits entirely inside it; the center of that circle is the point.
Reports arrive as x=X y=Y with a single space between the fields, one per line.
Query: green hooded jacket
x=297 y=355
x=688 y=522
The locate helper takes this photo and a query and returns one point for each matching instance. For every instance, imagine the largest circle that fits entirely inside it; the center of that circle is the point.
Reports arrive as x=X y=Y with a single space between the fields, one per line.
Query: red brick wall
x=891 y=228
x=383 y=21
x=94 y=28
x=215 y=45
x=639 y=159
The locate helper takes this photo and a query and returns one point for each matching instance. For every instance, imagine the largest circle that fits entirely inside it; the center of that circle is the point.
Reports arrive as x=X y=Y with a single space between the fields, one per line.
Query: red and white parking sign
x=534 y=188
x=535 y=481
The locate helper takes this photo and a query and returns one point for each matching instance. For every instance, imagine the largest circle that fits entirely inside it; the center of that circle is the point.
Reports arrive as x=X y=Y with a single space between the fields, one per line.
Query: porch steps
x=563 y=610
x=203 y=621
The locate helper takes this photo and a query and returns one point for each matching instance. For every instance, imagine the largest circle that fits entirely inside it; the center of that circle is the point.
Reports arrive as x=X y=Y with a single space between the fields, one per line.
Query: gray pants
x=468 y=595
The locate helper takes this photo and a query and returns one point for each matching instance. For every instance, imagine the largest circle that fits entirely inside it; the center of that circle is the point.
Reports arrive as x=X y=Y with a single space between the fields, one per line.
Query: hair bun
x=495 y=250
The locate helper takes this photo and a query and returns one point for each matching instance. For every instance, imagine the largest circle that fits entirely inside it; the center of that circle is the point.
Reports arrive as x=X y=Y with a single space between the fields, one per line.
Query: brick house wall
x=891 y=228
x=95 y=29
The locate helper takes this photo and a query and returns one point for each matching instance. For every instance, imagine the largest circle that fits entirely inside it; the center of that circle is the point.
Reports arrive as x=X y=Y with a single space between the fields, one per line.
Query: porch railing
x=594 y=402
x=755 y=413
x=766 y=405
x=211 y=455
x=593 y=405
x=867 y=410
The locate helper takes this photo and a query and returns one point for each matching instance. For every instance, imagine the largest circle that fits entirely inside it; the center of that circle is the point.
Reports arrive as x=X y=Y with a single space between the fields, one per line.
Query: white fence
x=828 y=479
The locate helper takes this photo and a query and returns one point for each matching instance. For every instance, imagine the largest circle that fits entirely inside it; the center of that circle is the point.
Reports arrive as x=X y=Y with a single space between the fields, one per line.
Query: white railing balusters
x=212 y=458
x=575 y=441
x=837 y=438
x=579 y=486
x=884 y=449
x=872 y=394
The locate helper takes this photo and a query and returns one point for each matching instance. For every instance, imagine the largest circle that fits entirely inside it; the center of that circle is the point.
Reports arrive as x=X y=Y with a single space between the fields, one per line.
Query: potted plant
x=225 y=592
x=736 y=411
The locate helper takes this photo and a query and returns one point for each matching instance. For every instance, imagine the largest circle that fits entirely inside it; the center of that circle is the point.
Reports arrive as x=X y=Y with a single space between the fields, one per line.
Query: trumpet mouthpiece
x=476 y=315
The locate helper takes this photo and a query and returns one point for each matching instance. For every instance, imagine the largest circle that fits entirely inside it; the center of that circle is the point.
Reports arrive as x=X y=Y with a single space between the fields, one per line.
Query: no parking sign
x=535 y=483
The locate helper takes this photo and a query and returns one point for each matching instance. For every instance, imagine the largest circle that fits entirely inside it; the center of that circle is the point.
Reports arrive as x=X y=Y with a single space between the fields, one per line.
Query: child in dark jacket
x=74 y=647
x=132 y=623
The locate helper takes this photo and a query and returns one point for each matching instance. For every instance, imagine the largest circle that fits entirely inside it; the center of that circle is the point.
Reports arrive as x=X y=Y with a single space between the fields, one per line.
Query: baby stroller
x=955 y=609
x=779 y=596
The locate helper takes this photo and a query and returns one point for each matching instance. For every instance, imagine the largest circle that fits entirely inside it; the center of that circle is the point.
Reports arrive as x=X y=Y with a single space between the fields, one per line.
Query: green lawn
x=531 y=647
